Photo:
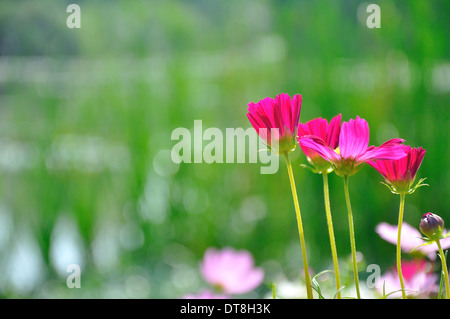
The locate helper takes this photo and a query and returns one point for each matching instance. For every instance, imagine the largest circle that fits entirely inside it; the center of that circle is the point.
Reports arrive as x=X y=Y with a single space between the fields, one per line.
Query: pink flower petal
x=334 y=130
x=354 y=138
x=233 y=271
x=399 y=172
x=418 y=280
x=319 y=146
x=382 y=153
x=282 y=114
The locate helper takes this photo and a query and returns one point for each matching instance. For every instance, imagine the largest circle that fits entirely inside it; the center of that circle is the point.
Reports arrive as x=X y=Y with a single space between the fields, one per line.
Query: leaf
x=337 y=292
x=445 y=255
x=441 y=284
x=419 y=184
x=391 y=188
x=392 y=292
x=398 y=290
x=441 y=294
x=428 y=242
x=315 y=285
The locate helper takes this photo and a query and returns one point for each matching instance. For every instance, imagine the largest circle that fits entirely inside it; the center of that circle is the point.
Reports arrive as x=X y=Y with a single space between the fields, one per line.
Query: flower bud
x=432 y=226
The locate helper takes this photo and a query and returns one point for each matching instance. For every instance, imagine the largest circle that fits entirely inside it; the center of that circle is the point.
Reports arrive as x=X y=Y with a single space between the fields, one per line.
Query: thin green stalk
x=274 y=294
x=331 y=233
x=399 y=249
x=300 y=228
x=352 y=237
x=444 y=268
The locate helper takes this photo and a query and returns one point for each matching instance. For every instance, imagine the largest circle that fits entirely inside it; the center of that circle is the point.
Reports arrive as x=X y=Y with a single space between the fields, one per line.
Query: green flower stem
x=399 y=249
x=331 y=233
x=274 y=293
x=352 y=236
x=300 y=228
x=444 y=268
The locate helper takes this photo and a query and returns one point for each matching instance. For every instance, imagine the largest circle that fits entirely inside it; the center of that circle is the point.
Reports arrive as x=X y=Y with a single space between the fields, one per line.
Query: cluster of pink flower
x=343 y=148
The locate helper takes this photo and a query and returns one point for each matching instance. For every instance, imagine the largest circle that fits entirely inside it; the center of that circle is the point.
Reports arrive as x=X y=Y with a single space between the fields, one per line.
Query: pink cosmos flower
x=400 y=173
x=328 y=132
x=354 y=148
x=418 y=278
x=231 y=271
x=276 y=121
x=410 y=239
x=206 y=294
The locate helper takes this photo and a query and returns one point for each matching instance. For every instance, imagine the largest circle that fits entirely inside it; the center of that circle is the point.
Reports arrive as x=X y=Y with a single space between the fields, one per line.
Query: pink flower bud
x=431 y=226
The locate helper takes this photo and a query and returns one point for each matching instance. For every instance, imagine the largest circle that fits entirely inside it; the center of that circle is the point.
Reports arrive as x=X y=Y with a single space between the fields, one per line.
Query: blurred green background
x=86 y=117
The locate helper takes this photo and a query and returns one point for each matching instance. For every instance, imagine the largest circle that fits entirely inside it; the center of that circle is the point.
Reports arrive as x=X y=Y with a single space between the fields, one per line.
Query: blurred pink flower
x=419 y=280
x=400 y=173
x=231 y=271
x=354 y=148
x=206 y=294
x=411 y=239
x=329 y=132
x=276 y=121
